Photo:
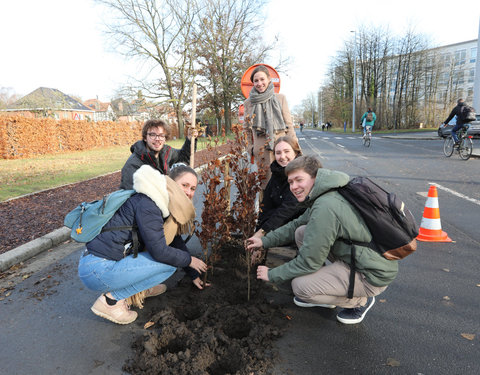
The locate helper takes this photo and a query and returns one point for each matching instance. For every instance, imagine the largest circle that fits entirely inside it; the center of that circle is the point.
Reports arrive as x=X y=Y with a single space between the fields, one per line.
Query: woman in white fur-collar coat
x=161 y=209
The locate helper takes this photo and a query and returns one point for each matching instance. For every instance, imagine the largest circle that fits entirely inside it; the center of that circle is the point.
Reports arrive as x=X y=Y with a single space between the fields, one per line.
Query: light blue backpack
x=88 y=218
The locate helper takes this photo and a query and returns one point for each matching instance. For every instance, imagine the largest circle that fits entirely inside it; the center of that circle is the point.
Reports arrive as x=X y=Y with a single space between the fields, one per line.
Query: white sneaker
x=301 y=303
x=118 y=313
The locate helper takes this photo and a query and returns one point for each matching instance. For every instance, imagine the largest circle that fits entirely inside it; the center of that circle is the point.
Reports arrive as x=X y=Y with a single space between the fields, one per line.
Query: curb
x=433 y=138
x=39 y=245
x=475 y=153
x=34 y=247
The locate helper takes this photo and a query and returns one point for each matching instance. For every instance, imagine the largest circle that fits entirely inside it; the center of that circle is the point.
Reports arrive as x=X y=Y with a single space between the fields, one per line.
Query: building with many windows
x=458 y=63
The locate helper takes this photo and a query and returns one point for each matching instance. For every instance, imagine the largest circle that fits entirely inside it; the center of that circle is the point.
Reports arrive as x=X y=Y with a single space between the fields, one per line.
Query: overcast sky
x=59 y=44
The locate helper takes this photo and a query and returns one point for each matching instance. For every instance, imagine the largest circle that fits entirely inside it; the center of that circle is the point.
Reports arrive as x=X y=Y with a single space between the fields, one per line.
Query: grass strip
x=24 y=176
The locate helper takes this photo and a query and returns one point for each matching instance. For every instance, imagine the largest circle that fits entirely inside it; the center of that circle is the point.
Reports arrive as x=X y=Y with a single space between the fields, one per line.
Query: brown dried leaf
x=446 y=298
x=383 y=300
x=392 y=362
x=468 y=336
x=445 y=269
x=148 y=324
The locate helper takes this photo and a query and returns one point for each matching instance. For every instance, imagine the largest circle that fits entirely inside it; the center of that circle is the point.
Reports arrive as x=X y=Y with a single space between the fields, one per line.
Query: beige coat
x=264 y=157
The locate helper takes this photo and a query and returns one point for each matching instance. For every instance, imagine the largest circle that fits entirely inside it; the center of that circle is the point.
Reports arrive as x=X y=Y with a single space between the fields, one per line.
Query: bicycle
x=367 y=137
x=464 y=146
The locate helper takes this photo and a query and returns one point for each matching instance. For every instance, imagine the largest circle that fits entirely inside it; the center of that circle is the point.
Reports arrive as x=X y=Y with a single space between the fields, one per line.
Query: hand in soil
x=199 y=283
x=262 y=273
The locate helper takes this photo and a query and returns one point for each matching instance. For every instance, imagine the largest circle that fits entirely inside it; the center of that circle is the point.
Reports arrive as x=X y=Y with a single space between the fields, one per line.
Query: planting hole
x=229 y=364
x=175 y=345
x=185 y=313
x=237 y=328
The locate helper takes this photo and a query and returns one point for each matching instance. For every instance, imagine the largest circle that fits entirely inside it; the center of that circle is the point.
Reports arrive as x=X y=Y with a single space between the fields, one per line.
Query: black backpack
x=391 y=224
x=467 y=114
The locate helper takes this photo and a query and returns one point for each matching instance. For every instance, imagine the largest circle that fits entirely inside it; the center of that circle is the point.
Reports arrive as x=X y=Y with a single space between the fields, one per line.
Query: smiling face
x=155 y=139
x=188 y=182
x=261 y=81
x=301 y=184
x=284 y=153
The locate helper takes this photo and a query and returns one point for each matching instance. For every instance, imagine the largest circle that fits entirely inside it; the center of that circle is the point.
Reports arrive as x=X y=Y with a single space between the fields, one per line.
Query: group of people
x=299 y=206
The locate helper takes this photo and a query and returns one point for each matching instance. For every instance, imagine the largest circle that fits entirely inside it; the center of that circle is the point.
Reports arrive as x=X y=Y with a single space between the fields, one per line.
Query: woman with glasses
x=153 y=151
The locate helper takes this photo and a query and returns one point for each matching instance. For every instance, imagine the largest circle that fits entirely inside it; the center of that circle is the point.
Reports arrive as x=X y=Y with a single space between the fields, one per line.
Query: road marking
x=338 y=137
x=339 y=145
x=460 y=195
x=314 y=138
x=301 y=139
x=316 y=150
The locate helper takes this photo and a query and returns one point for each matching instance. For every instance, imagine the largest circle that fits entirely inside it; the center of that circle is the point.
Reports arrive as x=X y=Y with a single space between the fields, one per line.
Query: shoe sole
x=108 y=317
x=356 y=321
x=306 y=304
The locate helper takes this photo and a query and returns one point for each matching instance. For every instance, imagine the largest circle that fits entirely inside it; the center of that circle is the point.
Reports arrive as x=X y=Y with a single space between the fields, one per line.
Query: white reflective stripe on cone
x=432 y=202
x=433 y=224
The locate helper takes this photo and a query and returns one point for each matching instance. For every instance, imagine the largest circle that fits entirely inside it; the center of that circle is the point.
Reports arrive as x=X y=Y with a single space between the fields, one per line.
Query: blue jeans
x=454 y=131
x=125 y=277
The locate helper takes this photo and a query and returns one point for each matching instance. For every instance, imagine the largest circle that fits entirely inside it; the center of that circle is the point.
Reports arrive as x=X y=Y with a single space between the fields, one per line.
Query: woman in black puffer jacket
x=278 y=205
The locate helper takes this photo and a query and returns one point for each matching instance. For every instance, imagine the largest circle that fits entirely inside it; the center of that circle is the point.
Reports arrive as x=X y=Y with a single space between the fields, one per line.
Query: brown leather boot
x=118 y=313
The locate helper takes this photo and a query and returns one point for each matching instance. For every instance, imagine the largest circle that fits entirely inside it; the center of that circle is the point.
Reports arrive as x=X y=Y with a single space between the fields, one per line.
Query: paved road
x=416 y=326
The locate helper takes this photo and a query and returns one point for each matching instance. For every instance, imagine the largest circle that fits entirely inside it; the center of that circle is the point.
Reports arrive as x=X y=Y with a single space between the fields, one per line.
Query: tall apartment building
x=458 y=69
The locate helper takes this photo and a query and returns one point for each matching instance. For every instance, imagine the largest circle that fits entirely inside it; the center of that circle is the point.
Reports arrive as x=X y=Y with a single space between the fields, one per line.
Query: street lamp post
x=354 y=77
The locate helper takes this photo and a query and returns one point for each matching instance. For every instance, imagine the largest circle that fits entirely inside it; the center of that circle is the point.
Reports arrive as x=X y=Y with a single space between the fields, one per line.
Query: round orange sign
x=246 y=85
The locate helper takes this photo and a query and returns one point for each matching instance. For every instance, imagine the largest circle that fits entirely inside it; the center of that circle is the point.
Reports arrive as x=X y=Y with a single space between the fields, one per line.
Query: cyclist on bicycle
x=456 y=111
x=368 y=120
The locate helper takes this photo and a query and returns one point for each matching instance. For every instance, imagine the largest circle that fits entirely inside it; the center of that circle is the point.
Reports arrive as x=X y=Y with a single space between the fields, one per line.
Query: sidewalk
x=429 y=136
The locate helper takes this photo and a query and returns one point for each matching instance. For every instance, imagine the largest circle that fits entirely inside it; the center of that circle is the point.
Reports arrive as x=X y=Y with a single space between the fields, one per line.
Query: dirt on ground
x=188 y=331
x=216 y=331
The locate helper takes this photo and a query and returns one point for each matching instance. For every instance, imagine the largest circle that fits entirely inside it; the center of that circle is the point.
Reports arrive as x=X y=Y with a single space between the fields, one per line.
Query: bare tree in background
x=7 y=97
x=228 y=41
x=159 y=33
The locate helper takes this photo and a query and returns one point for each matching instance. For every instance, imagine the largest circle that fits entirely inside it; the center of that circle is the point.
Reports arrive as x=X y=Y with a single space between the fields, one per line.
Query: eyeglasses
x=157 y=136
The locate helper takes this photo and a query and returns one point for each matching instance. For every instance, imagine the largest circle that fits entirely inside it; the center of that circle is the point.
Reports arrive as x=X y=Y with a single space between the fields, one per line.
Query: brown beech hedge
x=22 y=137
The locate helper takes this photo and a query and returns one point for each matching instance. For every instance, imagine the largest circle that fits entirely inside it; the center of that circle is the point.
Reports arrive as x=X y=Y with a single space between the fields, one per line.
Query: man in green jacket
x=319 y=234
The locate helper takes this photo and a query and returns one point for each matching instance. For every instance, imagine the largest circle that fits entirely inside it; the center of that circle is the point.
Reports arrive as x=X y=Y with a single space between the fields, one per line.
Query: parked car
x=474 y=130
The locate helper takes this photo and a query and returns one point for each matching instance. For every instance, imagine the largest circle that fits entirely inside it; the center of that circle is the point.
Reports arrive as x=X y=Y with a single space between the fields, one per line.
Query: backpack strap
x=135 y=240
x=351 y=282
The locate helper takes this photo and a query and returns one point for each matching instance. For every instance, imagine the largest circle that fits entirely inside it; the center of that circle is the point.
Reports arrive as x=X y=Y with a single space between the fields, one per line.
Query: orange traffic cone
x=430 y=226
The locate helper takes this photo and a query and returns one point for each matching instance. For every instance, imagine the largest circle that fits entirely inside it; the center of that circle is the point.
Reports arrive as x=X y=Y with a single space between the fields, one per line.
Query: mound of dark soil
x=216 y=331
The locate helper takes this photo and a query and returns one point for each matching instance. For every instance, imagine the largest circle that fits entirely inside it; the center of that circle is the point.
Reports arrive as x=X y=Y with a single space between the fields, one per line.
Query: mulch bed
x=33 y=216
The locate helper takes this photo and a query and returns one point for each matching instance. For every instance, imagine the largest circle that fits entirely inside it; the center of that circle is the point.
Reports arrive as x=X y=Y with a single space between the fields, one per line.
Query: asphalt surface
x=47 y=327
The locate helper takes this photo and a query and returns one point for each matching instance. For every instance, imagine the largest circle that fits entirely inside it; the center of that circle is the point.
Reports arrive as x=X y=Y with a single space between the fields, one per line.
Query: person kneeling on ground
x=279 y=206
x=319 y=234
x=161 y=209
